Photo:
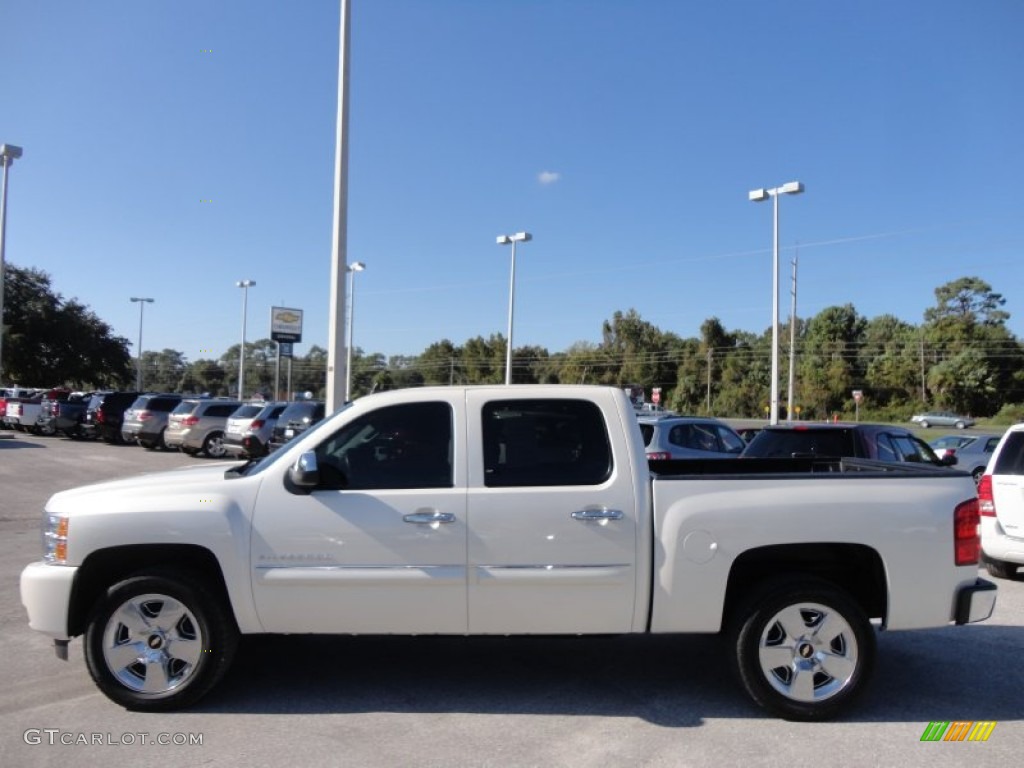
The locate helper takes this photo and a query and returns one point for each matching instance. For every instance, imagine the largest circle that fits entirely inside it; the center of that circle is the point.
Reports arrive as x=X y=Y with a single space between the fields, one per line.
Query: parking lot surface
x=436 y=701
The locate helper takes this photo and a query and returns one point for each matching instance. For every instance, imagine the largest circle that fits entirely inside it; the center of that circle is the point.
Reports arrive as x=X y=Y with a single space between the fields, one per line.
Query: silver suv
x=1001 y=503
x=249 y=428
x=689 y=437
x=146 y=420
x=198 y=426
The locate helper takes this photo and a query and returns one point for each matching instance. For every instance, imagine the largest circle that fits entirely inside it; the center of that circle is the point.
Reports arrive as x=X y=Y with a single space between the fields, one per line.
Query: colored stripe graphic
x=958 y=730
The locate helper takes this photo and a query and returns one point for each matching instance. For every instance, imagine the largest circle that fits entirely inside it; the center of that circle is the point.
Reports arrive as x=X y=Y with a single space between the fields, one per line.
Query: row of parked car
x=214 y=427
x=669 y=436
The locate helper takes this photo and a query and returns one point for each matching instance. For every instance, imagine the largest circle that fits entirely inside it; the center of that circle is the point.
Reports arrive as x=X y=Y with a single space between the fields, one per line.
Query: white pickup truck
x=506 y=510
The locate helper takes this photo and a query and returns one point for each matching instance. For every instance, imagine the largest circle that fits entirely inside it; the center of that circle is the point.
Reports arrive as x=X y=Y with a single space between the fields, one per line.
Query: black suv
x=294 y=420
x=880 y=442
x=105 y=414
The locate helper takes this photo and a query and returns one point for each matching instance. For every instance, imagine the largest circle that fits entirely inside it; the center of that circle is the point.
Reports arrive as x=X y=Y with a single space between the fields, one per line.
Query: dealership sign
x=285 y=324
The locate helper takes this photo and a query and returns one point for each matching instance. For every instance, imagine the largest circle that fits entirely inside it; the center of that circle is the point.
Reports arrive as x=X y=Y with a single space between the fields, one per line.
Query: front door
x=380 y=545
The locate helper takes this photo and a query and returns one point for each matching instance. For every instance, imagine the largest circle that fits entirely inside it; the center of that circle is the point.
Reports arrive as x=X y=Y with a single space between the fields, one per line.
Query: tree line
x=961 y=357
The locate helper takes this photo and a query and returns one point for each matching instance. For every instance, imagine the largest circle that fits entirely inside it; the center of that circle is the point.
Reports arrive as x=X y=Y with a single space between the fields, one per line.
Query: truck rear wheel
x=157 y=642
x=803 y=650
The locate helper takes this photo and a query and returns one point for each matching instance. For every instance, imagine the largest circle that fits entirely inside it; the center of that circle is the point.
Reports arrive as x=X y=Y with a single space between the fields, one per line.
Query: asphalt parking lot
x=352 y=701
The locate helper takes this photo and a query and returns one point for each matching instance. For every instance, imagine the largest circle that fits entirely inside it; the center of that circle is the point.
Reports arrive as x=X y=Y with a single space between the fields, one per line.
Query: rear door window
x=544 y=443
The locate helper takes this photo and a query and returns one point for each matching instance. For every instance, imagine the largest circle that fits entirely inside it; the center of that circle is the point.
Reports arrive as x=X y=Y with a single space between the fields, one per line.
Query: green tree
x=829 y=365
x=50 y=340
x=163 y=371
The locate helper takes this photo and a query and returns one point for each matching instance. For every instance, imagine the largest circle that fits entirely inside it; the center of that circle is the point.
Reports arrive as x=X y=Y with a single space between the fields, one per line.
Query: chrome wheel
x=804 y=649
x=152 y=644
x=808 y=652
x=160 y=640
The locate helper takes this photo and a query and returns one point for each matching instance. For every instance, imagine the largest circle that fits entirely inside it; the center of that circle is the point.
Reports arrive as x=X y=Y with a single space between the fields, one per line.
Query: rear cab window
x=544 y=443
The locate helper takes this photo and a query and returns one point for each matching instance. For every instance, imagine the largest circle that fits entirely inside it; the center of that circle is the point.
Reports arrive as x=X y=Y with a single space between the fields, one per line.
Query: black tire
x=795 y=671
x=961 y=425
x=181 y=644
x=213 y=445
x=1000 y=569
x=925 y=425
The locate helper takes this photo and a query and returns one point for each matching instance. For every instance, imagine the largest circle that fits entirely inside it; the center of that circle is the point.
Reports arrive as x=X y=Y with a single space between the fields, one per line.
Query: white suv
x=1001 y=499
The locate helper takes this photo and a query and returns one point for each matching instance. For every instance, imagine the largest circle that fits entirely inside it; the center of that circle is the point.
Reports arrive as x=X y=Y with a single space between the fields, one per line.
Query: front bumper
x=46 y=595
x=975 y=602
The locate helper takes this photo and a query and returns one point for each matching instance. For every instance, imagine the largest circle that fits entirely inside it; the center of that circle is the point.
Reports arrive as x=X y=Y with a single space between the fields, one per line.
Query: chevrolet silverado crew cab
x=506 y=510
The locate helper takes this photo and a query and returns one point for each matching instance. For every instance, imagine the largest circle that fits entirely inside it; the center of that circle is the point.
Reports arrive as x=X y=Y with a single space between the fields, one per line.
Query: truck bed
x=800 y=466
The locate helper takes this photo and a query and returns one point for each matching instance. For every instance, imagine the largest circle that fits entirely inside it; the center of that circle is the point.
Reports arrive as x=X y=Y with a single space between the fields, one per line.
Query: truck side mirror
x=304 y=474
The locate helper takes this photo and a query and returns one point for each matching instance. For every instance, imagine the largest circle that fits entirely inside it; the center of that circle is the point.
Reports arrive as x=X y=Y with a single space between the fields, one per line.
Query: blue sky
x=624 y=136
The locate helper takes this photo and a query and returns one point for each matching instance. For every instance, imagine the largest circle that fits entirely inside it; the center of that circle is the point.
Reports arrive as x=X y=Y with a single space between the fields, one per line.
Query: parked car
x=1001 y=502
x=146 y=420
x=492 y=511
x=942 y=419
x=105 y=414
x=972 y=451
x=248 y=430
x=9 y=395
x=22 y=412
x=294 y=420
x=197 y=426
x=61 y=412
x=688 y=437
x=882 y=442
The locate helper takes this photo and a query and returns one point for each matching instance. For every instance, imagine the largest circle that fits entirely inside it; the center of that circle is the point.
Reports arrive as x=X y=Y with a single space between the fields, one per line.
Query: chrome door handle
x=597 y=515
x=429 y=518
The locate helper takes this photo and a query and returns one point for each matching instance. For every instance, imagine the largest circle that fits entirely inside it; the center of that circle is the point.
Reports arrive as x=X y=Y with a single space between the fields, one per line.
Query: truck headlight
x=55 y=539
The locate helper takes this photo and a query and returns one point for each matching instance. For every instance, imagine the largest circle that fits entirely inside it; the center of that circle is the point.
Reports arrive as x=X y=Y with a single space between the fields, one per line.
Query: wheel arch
x=855 y=568
x=106 y=567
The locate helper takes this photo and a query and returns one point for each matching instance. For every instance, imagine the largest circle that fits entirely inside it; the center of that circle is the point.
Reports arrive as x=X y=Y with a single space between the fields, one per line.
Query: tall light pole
x=8 y=154
x=339 y=240
x=758 y=196
x=142 y=303
x=352 y=269
x=792 y=344
x=245 y=285
x=518 y=237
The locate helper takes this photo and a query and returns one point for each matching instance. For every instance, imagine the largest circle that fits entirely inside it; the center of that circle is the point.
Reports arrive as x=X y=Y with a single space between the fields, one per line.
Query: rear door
x=552 y=518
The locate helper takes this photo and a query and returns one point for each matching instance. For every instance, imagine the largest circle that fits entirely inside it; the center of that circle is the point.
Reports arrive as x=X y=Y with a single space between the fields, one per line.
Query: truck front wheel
x=804 y=650
x=158 y=641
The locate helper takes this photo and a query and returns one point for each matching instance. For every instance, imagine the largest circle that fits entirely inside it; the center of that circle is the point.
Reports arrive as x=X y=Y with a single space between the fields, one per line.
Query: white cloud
x=548 y=177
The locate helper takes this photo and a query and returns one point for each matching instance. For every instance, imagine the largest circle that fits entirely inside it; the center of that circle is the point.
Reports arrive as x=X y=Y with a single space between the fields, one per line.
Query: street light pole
x=351 y=269
x=245 y=285
x=142 y=303
x=792 y=345
x=518 y=237
x=758 y=196
x=8 y=154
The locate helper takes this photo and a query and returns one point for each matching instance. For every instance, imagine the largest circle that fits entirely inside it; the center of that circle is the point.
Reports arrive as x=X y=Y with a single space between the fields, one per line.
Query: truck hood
x=170 y=482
